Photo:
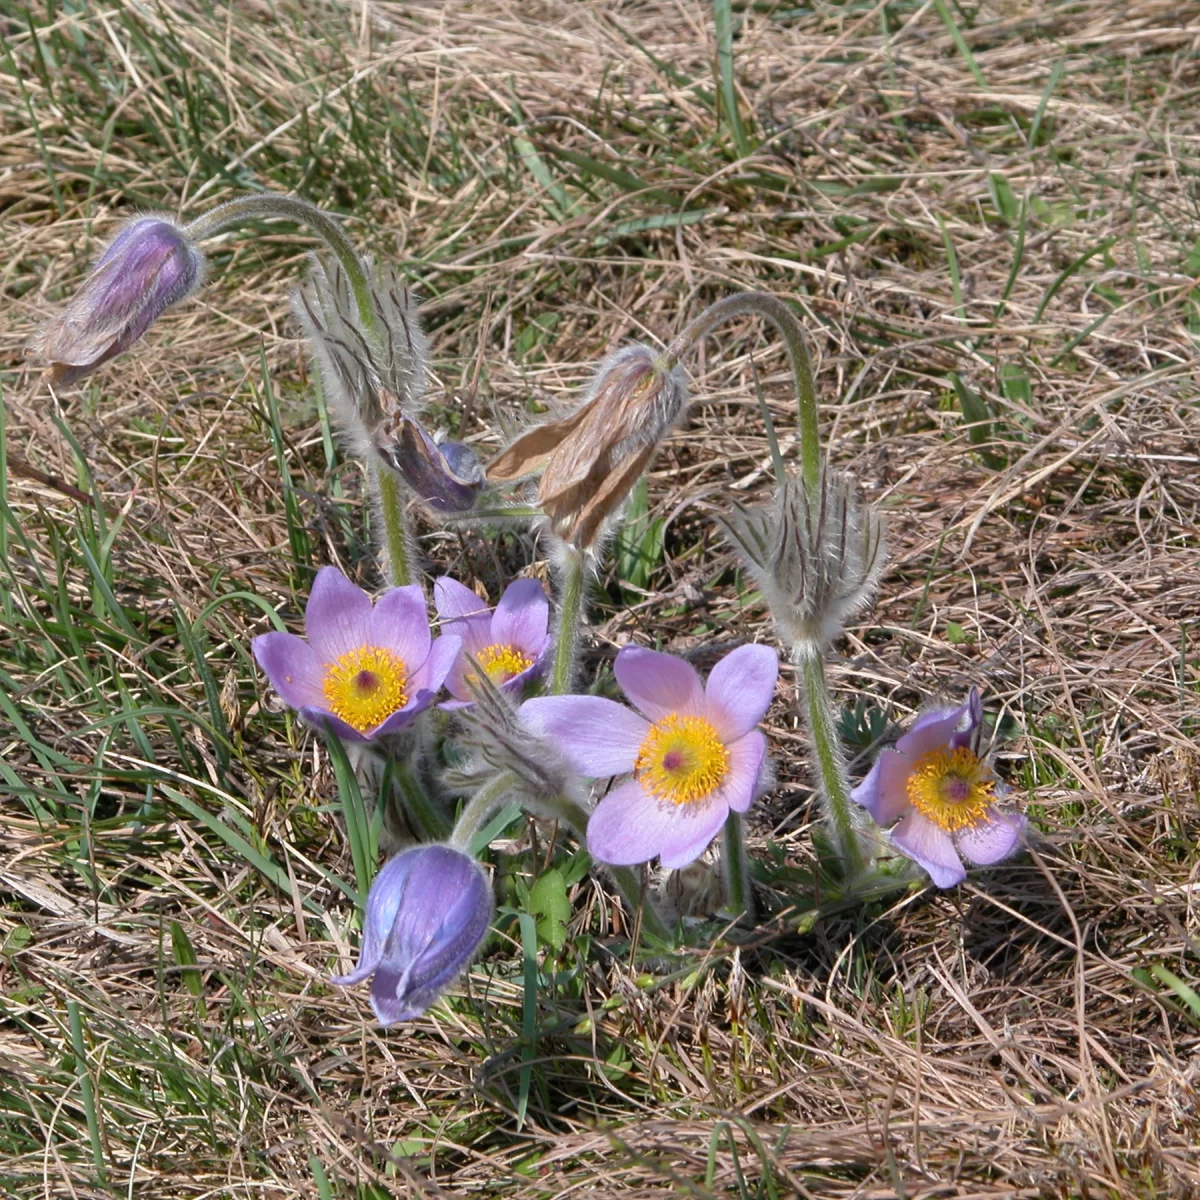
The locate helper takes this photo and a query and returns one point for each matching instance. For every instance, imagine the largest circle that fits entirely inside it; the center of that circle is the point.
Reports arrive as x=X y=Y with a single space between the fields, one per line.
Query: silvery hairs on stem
x=498 y=743
x=816 y=558
x=370 y=381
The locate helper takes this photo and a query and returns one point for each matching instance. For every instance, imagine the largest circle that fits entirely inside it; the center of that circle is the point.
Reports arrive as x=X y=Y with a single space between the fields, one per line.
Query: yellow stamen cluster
x=953 y=788
x=365 y=686
x=502 y=661
x=682 y=760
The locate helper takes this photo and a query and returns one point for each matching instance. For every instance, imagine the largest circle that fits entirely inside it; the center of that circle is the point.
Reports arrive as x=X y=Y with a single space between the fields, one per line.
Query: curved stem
x=772 y=309
x=570 y=615
x=735 y=869
x=831 y=768
x=478 y=810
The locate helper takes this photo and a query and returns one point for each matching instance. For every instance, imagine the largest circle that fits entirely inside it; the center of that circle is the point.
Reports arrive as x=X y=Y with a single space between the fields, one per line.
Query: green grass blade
x=723 y=19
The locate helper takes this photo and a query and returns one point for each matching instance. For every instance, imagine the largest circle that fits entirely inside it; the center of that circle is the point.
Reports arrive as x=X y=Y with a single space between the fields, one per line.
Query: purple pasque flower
x=427 y=913
x=942 y=795
x=445 y=475
x=693 y=750
x=366 y=670
x=150 y=265
x=508 y=643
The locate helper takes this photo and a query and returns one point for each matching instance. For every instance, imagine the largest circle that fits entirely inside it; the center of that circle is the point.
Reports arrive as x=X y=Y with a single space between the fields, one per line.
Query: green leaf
x=549 y=904
x=1003 y=198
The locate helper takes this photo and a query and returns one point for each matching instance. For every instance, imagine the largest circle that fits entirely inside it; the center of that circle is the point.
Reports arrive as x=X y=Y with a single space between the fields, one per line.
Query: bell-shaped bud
x=370 y=376
x=427 y=913
x=445 y=475
x=591 y=460
x=816 y=559
x=150 y=265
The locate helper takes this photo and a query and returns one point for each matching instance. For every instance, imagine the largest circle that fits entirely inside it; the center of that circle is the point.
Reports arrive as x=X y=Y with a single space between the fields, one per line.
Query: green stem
x=395 y=525
x=431 y=824
x=735 y=869
x=772 y=309
x=831 y=768
x=291 y=208
x=570 y=617
x=479 y=809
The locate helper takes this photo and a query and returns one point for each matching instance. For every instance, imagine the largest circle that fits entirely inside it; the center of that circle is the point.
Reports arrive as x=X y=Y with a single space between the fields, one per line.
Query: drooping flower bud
x=445 y=475
x=591 y=460
x=370 y=376
x=817 y=561
x=427 y=913
x=150 y=265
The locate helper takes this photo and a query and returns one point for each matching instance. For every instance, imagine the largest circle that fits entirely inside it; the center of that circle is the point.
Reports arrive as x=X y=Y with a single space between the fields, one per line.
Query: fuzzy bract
x=427 y=913
x=365 y=671
x=691 y=750
x=940 y=793
x=148 y=266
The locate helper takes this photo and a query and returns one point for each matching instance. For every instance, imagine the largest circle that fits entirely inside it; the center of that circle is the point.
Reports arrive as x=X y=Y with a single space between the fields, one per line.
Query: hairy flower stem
x=772 y=309
x=237 y=212
x=831 y=768
x=735 y=869
x=430 y=824
x=571 y=575
x=479 y=809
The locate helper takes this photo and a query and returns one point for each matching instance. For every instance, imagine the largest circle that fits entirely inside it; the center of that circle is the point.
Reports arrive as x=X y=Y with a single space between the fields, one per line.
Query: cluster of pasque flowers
x=659 y=778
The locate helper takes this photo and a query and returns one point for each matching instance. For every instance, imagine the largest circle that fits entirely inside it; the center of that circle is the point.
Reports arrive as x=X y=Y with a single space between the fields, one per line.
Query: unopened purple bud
x=427 y=913
x=149 y=266
x=445 y=475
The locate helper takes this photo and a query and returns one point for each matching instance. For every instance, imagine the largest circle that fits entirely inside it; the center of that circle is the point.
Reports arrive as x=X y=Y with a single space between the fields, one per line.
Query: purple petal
x=338 y=617
x=522 y=616
x=884 y=792
x=746 y=757
x=383 y=902
x=320 y=717
x=992 y=840
x=931 y=847
x=293 y=669
x=400 y=624
x=931 y=731
x=970 y=736
x=659 y=684
x=740 y=690
x=431 y=674
x=463 y=614
x=598 y=737
x=628 y=826
x=694 y=827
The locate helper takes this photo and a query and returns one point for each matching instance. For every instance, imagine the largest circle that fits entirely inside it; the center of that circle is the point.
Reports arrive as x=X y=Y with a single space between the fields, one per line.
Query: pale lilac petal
x=598 y=737
x=522 y=616
x=740 y=690
x=628 y=826
x=400 y=624
x=930 y=847
x=431 y=674
x=995 y=839
x=694 y=827
x=338 y=617
x=292 y=668
x=931 y=731
x=659 y=684
x=383 y=903
x=463 y=614
x=320 y=717
x=884 y=792
x=746 y=757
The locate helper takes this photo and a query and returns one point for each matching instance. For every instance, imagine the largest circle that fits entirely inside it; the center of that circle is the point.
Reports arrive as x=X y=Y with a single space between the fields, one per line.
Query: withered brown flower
x=591 y=460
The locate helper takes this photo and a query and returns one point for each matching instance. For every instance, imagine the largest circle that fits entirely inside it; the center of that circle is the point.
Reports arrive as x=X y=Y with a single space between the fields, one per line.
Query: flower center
x=365 y=686
x=682 y=760
x=502 y=661
x=953 y=788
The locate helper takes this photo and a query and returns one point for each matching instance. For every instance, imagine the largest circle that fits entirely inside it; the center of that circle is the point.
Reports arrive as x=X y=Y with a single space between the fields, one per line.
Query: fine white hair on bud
x=370 y=376
x=816 y=558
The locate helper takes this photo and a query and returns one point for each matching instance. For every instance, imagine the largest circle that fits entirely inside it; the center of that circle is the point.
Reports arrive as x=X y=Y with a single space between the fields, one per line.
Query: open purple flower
x=941 y=793
x=427 y=913
x=693 y=751
x=509 y=644
x=149 y=266
x=366 y=670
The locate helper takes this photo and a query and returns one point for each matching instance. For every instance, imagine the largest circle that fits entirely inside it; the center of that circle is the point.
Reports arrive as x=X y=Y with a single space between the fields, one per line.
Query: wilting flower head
x=369 y=379
x=427 y=913
x=816 y=562
x=445 y=475
x=508 y=644
x=147 y=267
x=366 y=670
x=693 y=750
x=591 y=459
x=942 y=793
